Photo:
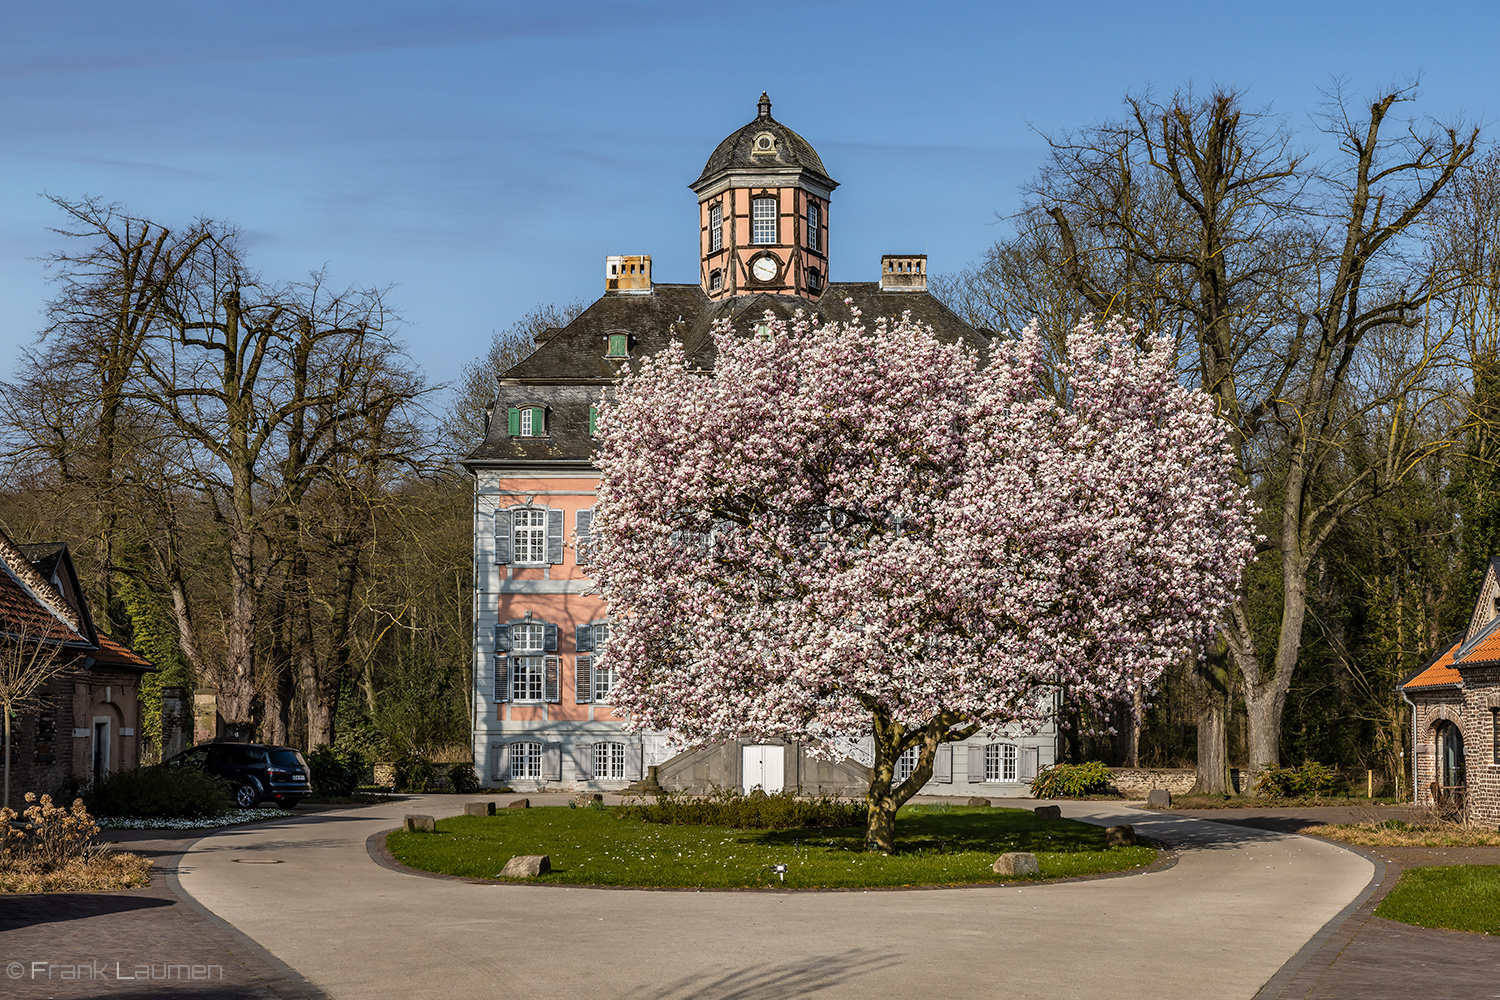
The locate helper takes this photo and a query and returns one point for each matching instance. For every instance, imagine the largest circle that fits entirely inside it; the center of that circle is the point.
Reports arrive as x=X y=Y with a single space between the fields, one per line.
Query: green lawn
x=935 y=846
x=1452 y=897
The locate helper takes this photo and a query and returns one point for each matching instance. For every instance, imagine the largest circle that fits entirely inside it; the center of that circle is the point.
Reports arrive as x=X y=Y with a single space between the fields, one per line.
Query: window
x=530 y=536
x=1000 y=762
x=907 y=763
x=528 y=421
x=814 y=279
x=715 y=280
x=763 y=220
x=619 y=345
x=526 y=760
x=527 y=678
x=715 y=229
x=813 y=234
x=609 y=760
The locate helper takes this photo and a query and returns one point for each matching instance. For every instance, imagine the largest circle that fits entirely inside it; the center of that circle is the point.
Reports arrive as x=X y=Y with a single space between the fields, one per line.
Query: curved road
x=1220 y=923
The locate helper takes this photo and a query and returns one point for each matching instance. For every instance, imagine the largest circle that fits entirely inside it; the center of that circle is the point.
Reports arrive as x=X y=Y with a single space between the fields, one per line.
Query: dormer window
x=528 y=421
x=715 y=229
x=763 y=220
x=619 y=345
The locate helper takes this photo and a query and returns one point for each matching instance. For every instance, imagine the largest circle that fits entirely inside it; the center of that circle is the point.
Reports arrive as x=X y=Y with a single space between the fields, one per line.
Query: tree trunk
x=4 y=802
x=1210 y=676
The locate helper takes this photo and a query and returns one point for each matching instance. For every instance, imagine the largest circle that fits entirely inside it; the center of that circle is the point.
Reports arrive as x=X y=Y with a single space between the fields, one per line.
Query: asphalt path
x=1238 y=905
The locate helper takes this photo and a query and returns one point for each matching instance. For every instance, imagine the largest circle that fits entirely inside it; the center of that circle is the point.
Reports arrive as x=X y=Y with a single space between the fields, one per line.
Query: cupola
x=763 y=213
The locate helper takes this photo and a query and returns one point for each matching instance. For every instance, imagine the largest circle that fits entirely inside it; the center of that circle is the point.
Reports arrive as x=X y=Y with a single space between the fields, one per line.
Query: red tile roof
x=112 y=653
x=1439 y=672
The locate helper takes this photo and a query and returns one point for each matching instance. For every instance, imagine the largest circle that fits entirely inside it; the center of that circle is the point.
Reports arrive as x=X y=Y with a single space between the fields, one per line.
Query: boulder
x=1119 y=836
x=519 y=804
x=1159 y=797
x=527 y=866
x=1048 y=812
x=479 y=808
x=1017 y=863
x=977 y=801
x=416 y=823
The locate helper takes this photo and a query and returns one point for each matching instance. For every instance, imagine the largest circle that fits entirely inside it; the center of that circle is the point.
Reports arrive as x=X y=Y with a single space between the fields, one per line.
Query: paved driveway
x=1237 y=905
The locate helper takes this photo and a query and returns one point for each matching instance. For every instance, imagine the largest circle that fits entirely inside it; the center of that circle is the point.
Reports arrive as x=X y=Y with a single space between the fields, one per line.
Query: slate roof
x=575 y=355
x=737 y=151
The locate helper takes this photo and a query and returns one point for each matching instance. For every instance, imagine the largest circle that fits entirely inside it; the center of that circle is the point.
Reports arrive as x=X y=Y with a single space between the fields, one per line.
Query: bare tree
x=29 y=660
x=1278 y=280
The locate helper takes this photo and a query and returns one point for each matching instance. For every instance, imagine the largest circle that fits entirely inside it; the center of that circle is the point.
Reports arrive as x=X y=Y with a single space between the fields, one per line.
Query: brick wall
x=1472 y=709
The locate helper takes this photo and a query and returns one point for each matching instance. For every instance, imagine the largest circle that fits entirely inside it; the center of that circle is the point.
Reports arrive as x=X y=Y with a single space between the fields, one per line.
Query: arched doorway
x=1451 y=781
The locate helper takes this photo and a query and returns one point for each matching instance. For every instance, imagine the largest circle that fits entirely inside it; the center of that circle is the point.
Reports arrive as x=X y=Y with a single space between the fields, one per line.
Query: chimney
x=903 y=272
x=629 y=274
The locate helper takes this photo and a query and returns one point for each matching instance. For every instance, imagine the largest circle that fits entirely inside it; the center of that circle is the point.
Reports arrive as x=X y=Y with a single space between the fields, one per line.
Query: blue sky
x=483 y=158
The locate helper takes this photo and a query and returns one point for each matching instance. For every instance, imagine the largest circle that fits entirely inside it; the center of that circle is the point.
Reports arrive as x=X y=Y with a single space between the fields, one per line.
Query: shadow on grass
x=950 y=833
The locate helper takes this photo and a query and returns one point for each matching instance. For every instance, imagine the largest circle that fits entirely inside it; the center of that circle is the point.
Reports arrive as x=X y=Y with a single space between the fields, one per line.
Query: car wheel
x=246 y=795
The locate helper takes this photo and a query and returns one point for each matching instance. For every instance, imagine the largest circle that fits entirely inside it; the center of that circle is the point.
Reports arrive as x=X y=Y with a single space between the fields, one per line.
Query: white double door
x=763 y=767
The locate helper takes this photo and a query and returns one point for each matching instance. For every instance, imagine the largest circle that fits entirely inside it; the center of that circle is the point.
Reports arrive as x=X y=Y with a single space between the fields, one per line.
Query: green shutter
x=515 y=422
x=593 y=420
x=538 y=421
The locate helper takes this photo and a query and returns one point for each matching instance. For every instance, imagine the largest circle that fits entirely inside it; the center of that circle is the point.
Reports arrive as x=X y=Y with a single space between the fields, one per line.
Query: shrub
x=1071 y=780
x=335 y=770
x=758 y=810
x=46 y=833
x=462 y=779
x=158 y=791
x=415 y=773
x=1311 y=779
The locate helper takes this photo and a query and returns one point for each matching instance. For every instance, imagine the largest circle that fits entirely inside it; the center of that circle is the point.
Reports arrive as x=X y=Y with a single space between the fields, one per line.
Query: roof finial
x=765 y=105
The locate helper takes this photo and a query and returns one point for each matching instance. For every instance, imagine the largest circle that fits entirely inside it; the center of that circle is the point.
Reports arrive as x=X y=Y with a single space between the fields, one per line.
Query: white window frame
x=534 y=530
x=1002 y=762
x=715 y=228
x=814 y=221
x=609 y=761
x=526 y=761
x=763 y=228
x=528 y=680
x=906 y=763
x=526 y=422
x=605 y=678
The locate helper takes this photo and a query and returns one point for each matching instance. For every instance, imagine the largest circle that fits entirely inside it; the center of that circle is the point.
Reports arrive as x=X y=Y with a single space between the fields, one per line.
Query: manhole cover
x=258 y=861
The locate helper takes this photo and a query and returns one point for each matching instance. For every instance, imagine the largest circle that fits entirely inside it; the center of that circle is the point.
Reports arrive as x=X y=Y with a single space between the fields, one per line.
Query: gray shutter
x=1028 y=763
x=502 y=762
x=502 y=638
x=635 y=762
x=555 y=537
x=583 y=536
x=549 y=637
x=976 y=763
x=553 y=682
x=552 y=762
x=583 y=638
x=583 y=679
x=502 y=677
x=583 y=760
x=504 y=535
x=942 y=764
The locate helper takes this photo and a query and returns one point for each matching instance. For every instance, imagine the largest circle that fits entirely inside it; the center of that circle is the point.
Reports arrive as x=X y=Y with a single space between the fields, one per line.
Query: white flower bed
x=203 y=822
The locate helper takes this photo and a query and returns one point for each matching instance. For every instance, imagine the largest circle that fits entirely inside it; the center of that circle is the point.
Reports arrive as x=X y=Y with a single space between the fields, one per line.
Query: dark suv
x=254 y=770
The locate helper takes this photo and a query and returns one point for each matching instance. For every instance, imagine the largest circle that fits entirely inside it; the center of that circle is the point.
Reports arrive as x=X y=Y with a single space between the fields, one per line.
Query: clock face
x=764 y=268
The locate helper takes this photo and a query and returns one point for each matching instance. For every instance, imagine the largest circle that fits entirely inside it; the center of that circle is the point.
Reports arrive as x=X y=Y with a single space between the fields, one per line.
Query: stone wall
x=1135 y=782
x=1473 y=709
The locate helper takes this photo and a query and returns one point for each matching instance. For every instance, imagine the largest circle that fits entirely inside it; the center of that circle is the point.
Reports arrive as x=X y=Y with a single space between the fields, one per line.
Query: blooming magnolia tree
x=845 y=531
